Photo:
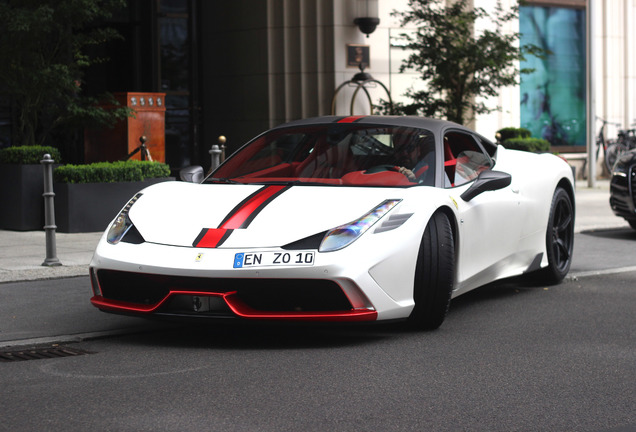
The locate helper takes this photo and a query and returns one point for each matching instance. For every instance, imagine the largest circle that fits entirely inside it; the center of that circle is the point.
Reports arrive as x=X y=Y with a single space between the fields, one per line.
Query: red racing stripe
x=246 y=211
x=211 y=237
x=351 y=119
x=239 y=218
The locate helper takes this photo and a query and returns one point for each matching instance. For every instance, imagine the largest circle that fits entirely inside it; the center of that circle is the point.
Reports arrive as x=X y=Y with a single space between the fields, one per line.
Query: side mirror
x=487 y=181
x=192 y=174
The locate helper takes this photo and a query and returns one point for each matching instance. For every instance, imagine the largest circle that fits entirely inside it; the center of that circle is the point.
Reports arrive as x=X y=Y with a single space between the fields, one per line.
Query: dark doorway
x=157 y=53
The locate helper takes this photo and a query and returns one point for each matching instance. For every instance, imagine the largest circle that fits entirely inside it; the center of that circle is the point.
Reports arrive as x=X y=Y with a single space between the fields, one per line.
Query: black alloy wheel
x=559 y=237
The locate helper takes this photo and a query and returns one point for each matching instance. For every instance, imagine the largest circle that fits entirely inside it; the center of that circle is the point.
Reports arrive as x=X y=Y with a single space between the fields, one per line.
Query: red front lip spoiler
x=240 y=309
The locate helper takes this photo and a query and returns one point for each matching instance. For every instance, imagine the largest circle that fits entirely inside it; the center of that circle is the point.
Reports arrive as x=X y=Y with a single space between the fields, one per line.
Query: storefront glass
x=553 y=97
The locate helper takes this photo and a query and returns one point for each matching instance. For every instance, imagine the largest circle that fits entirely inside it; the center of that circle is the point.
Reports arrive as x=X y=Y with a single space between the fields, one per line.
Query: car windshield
x=335 y=154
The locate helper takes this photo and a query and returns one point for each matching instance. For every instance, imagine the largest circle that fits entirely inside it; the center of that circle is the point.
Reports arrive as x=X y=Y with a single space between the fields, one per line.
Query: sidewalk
x=22 y=253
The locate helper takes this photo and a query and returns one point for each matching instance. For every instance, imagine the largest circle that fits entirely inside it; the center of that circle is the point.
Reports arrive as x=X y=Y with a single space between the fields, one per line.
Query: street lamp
x=367 y=16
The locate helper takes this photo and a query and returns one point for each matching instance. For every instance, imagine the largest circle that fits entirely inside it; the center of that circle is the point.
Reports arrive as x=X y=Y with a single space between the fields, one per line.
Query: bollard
x=215 y=153
x=222 y=141
x=49 y=213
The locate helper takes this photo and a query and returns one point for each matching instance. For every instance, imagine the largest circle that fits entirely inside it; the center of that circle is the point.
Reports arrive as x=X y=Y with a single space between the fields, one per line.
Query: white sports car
x=361 y=218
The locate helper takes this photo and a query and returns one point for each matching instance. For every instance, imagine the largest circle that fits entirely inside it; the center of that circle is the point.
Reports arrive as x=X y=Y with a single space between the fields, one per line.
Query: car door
x=489 y=225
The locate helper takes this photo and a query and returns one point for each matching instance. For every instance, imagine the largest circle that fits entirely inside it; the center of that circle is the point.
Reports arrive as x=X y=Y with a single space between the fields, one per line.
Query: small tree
x=43 y=47
x=456 y=64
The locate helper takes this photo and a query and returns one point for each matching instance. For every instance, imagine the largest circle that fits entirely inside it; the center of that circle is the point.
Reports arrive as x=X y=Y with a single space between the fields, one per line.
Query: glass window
x=463 y=159
x=553 y=96
x=336 y=154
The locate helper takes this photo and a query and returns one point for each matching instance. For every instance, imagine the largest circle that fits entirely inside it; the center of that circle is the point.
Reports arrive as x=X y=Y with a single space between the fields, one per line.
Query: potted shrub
x=519 y=139
x=22 y=180
x=88 y=197
x=535 y=145
x=512 y=132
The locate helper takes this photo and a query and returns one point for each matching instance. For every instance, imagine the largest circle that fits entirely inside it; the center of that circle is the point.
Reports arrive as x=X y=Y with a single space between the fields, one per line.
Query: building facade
x=238 y=68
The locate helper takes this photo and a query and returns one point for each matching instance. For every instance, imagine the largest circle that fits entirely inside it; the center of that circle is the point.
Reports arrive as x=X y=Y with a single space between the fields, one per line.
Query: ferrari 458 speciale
x=346 y=219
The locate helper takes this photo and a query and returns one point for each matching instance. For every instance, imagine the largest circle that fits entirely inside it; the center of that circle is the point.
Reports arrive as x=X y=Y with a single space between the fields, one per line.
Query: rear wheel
x=434 y=274
x=559 y=237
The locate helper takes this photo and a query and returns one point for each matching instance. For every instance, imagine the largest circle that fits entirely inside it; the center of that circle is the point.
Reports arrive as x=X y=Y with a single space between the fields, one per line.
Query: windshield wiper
x=221 y=180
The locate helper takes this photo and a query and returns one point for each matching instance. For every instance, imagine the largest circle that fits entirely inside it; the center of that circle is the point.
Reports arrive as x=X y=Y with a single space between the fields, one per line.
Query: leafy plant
x=110 y=172
x=43 y=46
x=536 y=145
x=506 y=133
x=28 y=154
x=457 y=64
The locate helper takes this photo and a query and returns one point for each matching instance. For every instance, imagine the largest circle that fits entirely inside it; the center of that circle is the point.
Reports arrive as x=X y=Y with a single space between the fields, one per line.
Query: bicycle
x=626 y=140
x=612 y=149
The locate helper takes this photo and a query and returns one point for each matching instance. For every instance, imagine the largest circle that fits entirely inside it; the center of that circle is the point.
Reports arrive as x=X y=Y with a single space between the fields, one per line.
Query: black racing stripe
x=199 y=237
x=264 y=204
x=225 y=237
x=240 y=205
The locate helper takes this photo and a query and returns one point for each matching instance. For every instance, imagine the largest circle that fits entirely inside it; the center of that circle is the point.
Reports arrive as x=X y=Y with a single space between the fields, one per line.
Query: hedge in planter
x=512 y=132
x=22 y=180
x=88 y=197
x=536 y=145
x=515 y=138
x=28 y=154
x=111 y=172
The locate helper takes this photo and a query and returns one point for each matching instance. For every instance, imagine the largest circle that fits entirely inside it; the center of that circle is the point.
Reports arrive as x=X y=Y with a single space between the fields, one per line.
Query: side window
x=463 y=159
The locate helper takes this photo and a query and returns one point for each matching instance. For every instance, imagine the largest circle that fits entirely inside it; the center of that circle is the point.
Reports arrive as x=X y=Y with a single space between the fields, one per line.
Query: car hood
x=179 y=213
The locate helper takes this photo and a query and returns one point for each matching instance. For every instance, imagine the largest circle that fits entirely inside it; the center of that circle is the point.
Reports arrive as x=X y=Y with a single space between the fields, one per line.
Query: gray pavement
x=22 y=253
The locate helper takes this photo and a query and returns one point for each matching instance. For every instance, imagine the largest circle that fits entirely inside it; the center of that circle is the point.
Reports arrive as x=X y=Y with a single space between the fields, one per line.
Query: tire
x=632 y=223
x=434 y=274
x=559 y=238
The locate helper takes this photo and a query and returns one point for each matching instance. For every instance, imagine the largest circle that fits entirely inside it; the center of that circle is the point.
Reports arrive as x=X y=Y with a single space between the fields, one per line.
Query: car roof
x=434 y=125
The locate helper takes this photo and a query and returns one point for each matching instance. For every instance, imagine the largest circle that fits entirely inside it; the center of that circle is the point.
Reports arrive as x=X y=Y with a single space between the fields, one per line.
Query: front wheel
x=559 y=237
x=434 y=274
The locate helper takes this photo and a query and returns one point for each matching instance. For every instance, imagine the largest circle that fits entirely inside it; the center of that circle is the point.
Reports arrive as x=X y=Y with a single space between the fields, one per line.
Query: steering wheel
x=381 y=168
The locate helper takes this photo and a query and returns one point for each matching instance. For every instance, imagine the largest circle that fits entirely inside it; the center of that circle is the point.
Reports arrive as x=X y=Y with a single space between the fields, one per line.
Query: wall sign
x=357 y=54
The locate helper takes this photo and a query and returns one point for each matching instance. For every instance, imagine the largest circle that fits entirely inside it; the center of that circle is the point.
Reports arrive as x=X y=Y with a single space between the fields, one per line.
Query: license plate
x=269 y=259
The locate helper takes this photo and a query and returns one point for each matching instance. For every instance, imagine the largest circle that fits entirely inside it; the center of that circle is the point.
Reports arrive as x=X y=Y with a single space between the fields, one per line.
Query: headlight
x=623 y=164
x=122 y=223
x=620 y=168
x=344 y=235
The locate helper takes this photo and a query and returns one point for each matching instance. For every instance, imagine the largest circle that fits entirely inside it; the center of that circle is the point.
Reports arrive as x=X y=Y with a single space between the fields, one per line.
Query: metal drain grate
x=41 y=353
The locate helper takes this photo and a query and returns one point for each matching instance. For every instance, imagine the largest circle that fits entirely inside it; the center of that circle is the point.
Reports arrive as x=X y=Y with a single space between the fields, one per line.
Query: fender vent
x=41 y=353
x=393 y=222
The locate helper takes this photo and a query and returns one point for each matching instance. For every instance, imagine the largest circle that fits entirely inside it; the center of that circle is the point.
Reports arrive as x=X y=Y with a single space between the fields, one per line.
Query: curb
x=43 y=273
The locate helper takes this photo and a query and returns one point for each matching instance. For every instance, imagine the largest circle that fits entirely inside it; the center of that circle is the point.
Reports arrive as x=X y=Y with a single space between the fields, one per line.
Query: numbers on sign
x=260 y=259
x=306 y=258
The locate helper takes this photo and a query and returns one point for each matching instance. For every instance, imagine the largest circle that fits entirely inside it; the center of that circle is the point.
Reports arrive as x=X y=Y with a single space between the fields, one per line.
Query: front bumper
x=209 y=297
x=623 y=193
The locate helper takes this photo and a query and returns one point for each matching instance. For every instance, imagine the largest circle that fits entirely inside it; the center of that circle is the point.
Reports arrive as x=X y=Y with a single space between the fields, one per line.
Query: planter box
x=89 y=207
x=21 y=201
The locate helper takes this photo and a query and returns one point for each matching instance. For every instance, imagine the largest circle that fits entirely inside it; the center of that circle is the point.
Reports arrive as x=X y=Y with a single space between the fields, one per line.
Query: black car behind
x=623 y=188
